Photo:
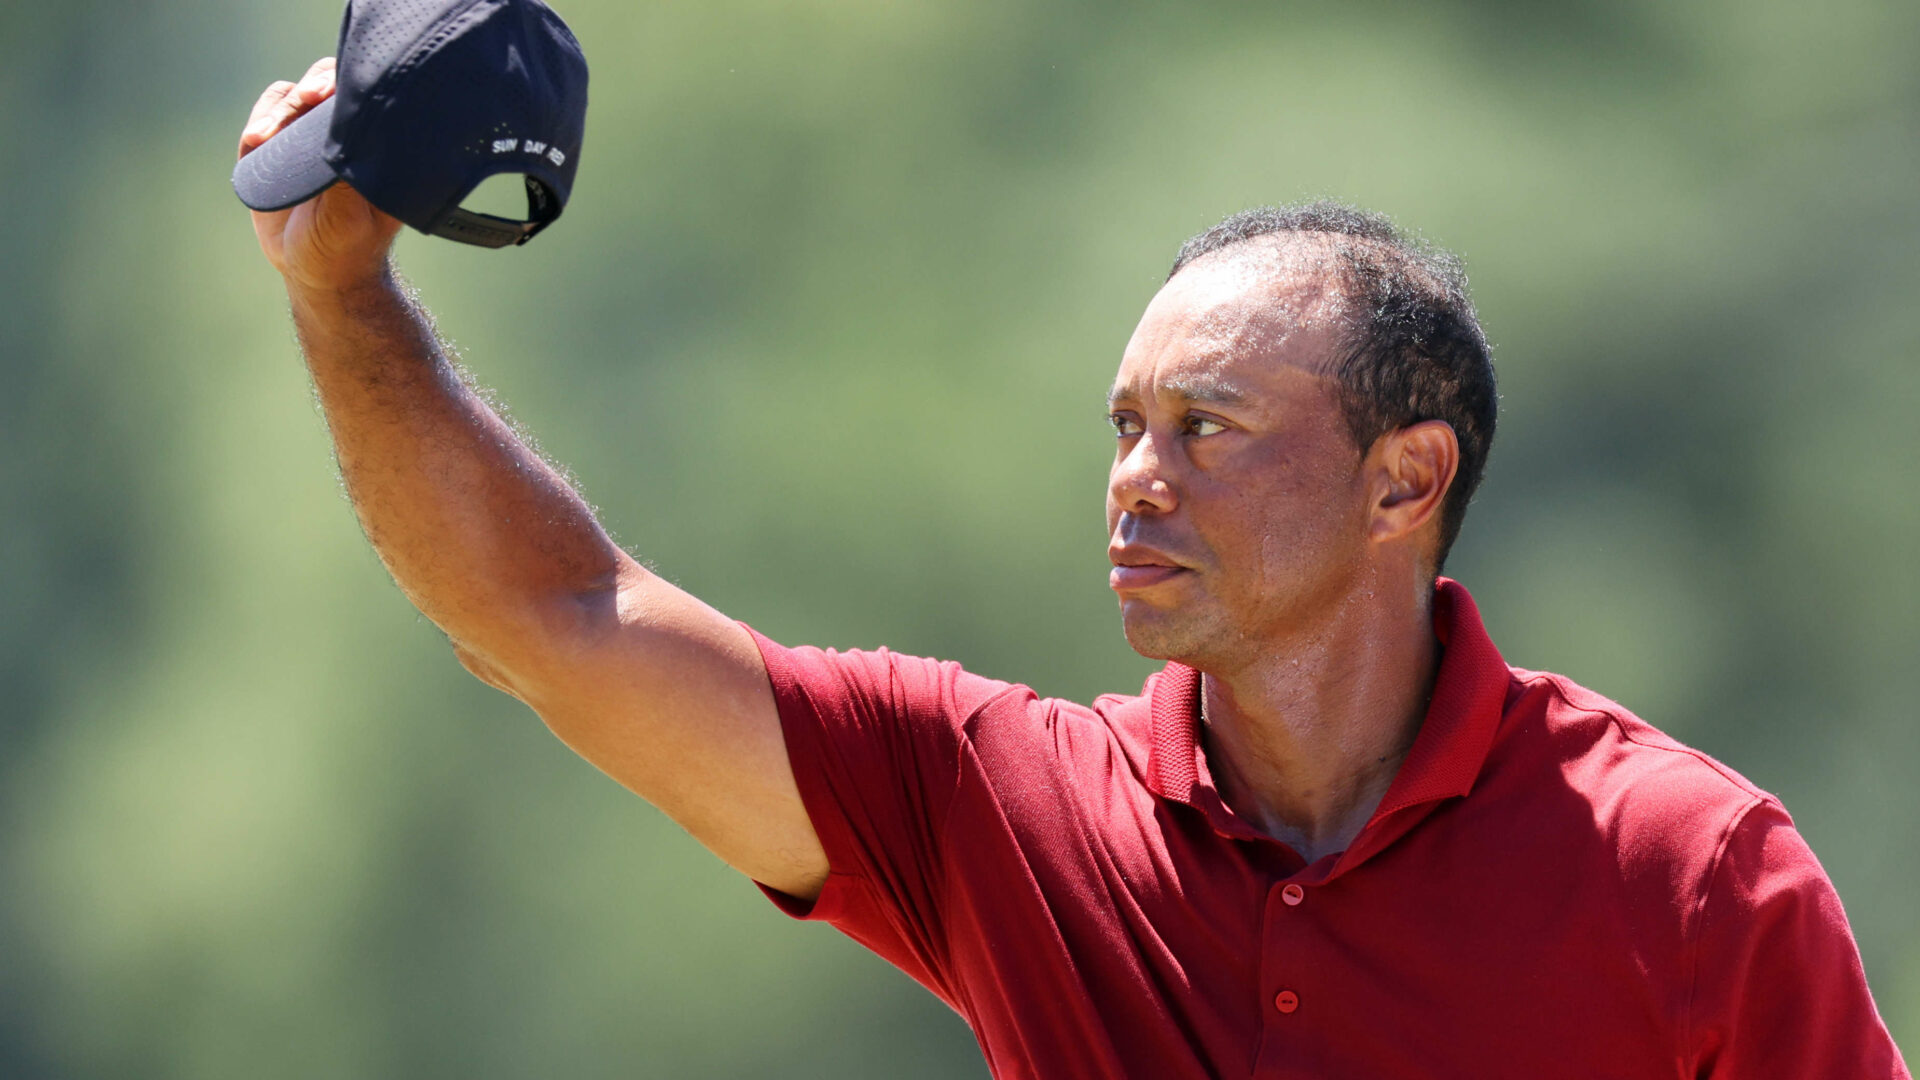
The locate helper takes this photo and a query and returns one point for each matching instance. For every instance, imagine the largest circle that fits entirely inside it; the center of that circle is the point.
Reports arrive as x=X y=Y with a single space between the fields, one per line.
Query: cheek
x=1299 y=520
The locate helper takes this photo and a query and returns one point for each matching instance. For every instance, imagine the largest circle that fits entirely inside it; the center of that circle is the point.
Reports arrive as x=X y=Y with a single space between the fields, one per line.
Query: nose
x=1139 y=483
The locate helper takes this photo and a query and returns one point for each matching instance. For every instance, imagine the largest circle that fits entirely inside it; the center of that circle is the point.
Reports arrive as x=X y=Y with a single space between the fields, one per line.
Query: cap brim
x=289 y=168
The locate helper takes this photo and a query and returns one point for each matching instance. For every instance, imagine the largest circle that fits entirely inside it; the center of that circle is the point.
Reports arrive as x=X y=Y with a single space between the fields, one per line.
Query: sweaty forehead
x=1233 y=320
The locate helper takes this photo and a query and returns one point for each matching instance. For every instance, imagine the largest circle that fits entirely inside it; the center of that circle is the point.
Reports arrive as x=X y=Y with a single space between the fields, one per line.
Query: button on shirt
x=1550 y=886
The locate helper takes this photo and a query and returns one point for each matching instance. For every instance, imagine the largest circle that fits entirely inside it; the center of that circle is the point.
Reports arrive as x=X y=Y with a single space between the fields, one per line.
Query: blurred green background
x=825 y=333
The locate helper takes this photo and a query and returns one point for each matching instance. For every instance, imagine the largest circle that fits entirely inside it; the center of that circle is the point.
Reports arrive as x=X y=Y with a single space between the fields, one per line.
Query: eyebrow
x=1197 y=387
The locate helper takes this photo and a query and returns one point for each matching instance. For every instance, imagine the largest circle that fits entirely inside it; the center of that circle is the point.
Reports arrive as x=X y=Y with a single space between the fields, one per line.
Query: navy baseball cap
x=432 y=97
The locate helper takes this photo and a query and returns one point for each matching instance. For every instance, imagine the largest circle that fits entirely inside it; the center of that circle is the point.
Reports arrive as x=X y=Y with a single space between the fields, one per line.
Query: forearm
x=482 y=535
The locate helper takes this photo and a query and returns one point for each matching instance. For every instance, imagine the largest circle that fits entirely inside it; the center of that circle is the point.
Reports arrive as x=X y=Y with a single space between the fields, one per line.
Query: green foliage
x=825 y=334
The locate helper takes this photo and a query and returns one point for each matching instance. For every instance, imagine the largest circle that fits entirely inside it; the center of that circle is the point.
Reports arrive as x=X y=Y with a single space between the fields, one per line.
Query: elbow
x=544 y=645
x=483 y=669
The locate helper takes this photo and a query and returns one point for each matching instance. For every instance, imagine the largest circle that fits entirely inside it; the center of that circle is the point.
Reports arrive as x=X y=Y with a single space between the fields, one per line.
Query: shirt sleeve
x=875 y=740
x=1779 y=989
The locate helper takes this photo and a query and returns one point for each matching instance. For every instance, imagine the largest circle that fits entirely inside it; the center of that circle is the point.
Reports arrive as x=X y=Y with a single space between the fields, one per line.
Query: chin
x=1160 y=634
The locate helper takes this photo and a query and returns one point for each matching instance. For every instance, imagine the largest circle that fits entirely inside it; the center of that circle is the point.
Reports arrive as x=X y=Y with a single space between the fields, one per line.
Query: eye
x=1123 y=425
x=1203 y=425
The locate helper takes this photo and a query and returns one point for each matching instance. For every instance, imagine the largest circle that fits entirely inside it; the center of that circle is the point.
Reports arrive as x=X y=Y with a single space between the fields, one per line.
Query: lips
x=1137 y=567
x=1128 y=578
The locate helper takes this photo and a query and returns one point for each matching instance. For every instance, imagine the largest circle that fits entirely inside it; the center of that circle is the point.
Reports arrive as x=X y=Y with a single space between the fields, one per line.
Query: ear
x=1411 y=470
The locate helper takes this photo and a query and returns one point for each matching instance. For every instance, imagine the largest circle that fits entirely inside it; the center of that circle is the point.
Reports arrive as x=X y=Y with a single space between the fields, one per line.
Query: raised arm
x=488 y=540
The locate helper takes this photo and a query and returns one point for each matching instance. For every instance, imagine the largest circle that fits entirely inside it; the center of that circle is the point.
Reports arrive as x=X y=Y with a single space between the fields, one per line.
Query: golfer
x=1336 y=837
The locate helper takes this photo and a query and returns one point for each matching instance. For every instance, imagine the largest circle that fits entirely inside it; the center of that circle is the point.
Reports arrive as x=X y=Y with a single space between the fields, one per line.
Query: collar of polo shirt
x=1469 y=692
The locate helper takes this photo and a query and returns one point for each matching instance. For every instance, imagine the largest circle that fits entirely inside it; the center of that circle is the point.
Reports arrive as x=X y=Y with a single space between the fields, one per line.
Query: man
x=1336 y=837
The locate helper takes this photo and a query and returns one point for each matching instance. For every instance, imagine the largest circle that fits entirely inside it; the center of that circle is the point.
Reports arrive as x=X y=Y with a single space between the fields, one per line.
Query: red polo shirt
x=1550 y=888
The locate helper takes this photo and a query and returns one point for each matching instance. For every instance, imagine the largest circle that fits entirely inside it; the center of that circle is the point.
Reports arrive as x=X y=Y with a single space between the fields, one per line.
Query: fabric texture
x=1550 y=887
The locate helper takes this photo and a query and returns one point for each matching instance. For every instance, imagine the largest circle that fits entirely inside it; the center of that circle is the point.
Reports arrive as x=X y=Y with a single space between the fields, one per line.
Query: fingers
x=256 y=132
x=323 y=65
x=284 y=102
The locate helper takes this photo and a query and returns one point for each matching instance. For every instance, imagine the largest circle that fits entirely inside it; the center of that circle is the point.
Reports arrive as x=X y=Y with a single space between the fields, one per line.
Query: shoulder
x=1607 y=752
x=1706 y=884
x=1005 y=723
x=1634 y=809
x=1022 y=730
x=878 y=682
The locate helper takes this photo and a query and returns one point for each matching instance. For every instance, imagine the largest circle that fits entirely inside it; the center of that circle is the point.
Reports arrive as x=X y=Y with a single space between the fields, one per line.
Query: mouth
x=1142 y=576
x=1137 y=568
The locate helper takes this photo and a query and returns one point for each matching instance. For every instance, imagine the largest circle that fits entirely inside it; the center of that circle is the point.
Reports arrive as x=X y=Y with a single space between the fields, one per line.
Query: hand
x=335 y=240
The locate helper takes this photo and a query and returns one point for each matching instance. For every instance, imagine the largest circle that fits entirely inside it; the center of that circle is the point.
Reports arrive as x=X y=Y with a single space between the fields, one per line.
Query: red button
x=1286 y=1001
x=1293 y=894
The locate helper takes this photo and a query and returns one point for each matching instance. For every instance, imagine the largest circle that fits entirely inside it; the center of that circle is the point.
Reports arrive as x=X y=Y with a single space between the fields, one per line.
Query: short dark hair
x=1413 y=350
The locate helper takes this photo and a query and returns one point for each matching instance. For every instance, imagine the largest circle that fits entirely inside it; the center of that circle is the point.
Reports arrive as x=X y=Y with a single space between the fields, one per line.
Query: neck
x=1304 y=741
